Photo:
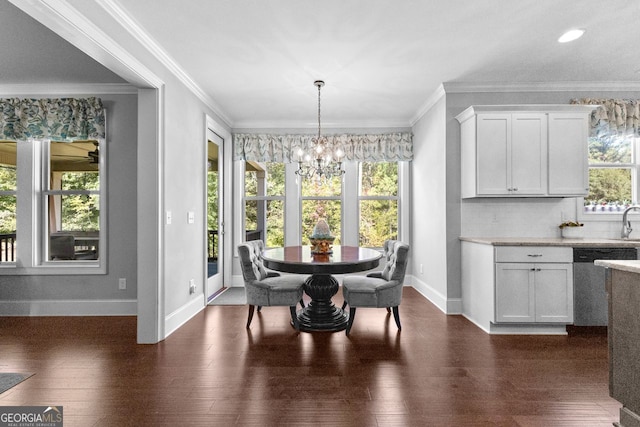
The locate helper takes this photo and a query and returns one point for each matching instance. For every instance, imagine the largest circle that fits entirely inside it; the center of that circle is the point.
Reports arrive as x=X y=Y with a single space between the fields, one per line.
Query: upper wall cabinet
x=524 y=150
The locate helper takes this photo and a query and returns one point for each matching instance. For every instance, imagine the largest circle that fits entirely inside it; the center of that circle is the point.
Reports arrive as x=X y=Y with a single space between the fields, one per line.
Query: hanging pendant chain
x=319 y=86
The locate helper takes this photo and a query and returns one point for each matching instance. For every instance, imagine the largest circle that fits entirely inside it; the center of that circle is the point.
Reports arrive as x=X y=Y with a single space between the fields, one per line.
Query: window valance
x=364 y=148
x=613 y=116
x=60 y=119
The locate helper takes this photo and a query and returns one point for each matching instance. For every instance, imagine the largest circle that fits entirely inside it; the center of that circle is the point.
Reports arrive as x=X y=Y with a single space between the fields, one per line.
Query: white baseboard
x=446 y=305
x=69 y=308
x=174 y=320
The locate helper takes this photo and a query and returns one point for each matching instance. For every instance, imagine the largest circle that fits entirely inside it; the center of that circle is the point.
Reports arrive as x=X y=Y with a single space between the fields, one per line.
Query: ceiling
x=381 y=60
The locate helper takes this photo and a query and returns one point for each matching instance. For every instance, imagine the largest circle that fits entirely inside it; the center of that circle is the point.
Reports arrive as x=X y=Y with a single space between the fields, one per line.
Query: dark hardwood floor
x=439 y=371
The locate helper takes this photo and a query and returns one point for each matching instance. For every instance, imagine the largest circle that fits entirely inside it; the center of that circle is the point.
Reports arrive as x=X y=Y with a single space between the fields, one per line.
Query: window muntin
x=8 y=199
x=613 y=165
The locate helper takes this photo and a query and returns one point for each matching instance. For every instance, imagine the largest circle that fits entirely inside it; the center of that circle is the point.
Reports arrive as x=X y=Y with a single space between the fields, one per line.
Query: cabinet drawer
x=533 y=254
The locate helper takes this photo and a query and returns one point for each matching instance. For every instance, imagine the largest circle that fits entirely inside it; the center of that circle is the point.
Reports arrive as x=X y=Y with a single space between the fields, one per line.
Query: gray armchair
x=264 y=288
x=378 y=289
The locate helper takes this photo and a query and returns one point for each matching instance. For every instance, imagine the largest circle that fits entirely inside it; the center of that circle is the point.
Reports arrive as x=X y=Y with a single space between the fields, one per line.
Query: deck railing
x=8 y=247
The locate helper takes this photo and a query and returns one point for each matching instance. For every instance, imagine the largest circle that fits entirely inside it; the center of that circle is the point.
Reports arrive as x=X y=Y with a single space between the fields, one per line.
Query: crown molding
x=74 y=27
x=67 y=89
x=118 y=13
x=429 y=103
x=462 y=87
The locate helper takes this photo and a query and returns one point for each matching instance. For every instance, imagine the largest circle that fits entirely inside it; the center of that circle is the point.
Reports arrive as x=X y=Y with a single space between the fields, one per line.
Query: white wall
x=170 y=169
x=429 y=208
x=94 y=294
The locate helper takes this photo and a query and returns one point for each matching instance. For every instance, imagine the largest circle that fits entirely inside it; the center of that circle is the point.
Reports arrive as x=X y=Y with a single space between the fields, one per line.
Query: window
x=57 y=187
x=8 y=194
x=71 y=200
x=321 y=201
x=362 y=208
x=264 y=202
x=613 y=166
x=378 y=199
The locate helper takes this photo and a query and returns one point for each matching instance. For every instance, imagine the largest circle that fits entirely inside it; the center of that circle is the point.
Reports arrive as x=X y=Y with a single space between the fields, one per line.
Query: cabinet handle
x=534 y=255
x=536 y=269
x=515 y=188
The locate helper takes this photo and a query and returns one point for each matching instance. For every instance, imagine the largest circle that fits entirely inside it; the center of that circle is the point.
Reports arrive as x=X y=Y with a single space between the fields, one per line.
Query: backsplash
x=528 y=217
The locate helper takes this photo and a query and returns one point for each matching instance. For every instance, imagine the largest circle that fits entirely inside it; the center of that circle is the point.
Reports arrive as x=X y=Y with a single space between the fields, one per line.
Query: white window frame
x=361 y=198
x=32 y=217
x=264 y=199
x=349 y=202
x=583 y=215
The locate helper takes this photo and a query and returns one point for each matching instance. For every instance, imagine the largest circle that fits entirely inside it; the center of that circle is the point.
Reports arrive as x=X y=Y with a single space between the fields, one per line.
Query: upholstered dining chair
x=268 y=288
x=381 y=288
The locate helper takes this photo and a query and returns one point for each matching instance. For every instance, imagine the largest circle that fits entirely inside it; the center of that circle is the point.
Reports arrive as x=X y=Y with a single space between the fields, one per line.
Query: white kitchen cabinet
x=532 y=292
x=568 y=154
x=512 y=152
x=540 y=291
x=524 y=150
x=517 y=289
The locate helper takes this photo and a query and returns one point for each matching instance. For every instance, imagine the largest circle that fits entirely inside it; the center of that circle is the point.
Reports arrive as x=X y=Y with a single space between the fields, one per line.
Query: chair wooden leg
x=294 y=318
x=301 y=302
x=251 y=308
x=352 y=315
x=259 y=308
x=388 y=309
x=396 y=316
x=344 y=305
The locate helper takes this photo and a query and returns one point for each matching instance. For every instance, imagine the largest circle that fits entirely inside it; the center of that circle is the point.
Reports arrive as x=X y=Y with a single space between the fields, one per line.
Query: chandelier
x=323 y=162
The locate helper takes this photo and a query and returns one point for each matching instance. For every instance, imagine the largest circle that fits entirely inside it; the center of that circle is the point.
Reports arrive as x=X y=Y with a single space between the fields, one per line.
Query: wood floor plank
x=438 y=371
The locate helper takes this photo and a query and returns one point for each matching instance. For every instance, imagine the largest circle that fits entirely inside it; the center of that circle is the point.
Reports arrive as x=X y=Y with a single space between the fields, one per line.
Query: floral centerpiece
x=571 y=229
x=321 y=239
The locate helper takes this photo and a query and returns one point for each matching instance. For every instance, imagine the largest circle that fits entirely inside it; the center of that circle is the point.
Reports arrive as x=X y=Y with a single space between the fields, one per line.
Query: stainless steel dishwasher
x=589 y=296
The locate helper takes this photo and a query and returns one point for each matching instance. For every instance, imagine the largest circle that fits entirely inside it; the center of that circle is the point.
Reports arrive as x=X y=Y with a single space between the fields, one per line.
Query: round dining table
x=321 y=314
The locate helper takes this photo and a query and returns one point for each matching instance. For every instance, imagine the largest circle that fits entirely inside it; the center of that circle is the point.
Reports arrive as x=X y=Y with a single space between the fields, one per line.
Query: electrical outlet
x=168 y=217
x=191 y=217
x=122 y=283
x=421 y=270
x=192 y=286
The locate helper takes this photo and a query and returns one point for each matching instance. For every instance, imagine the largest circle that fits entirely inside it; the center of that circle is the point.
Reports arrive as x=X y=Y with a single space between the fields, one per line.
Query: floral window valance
x=284 y=148
x=613 y=116
x=60 y=119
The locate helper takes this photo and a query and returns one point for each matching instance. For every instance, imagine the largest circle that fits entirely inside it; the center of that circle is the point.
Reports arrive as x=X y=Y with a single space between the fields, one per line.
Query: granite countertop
x=553 y=241
x=631 y=266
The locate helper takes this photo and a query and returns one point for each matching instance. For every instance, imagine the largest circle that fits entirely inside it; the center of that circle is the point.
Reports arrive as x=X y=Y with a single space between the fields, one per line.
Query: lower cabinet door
x=534 y=293
x=515 y=299
x=554 y=293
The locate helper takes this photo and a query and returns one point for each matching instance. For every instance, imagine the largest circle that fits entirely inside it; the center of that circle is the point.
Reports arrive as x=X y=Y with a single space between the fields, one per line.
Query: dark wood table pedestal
x=321 y=314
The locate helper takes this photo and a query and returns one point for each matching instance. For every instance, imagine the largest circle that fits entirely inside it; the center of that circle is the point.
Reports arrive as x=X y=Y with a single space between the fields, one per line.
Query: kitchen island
x=623 y=288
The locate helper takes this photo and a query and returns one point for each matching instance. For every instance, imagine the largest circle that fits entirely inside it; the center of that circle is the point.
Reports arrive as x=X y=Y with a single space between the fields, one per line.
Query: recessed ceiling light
x=571 y=35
